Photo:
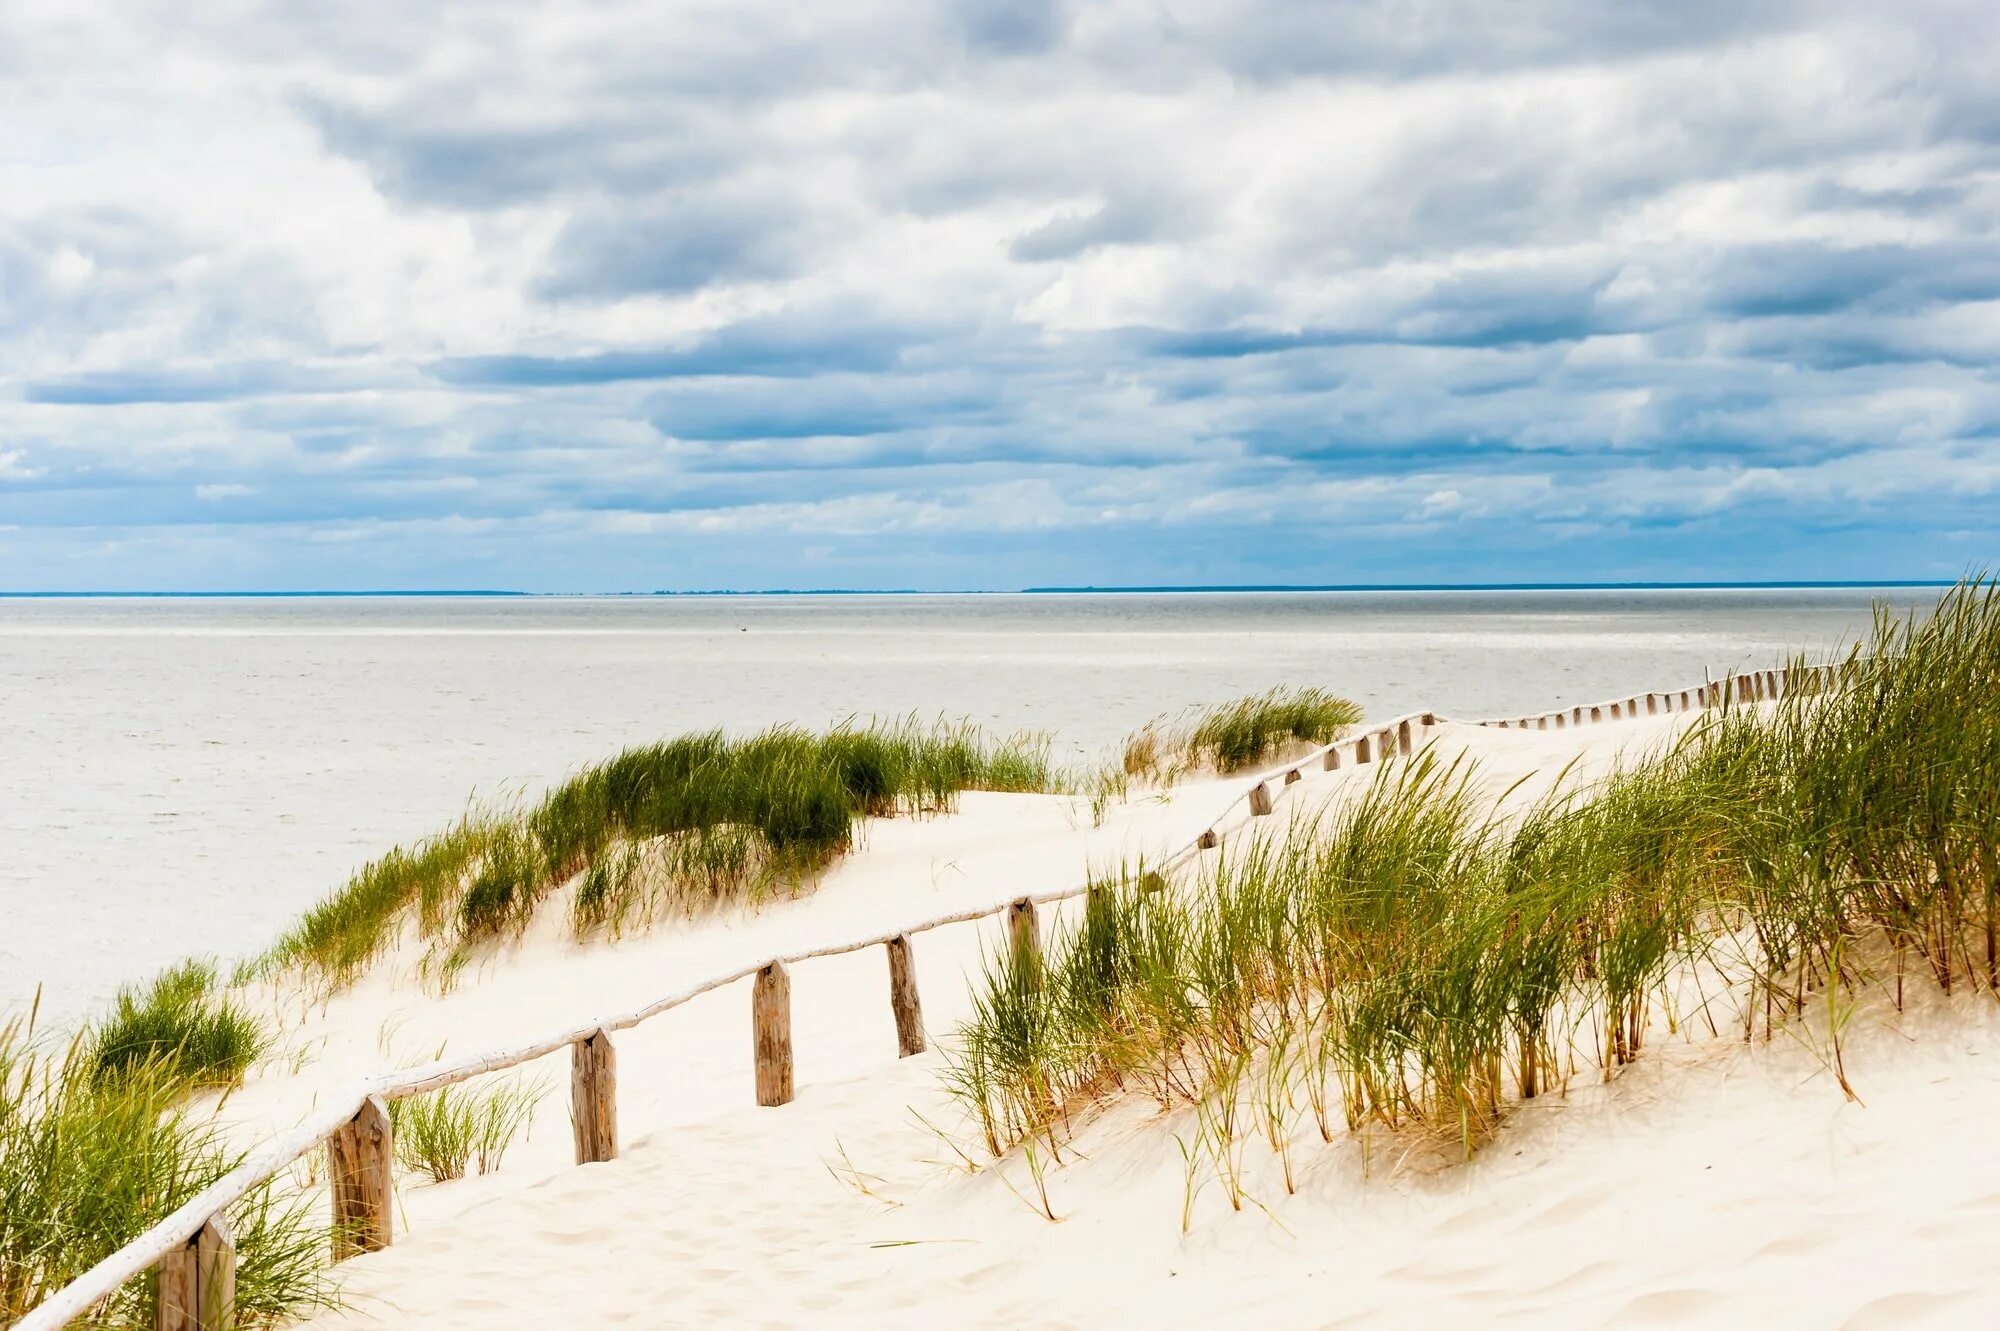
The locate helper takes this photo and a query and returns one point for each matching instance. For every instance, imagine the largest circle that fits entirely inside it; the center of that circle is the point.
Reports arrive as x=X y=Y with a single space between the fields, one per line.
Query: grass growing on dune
x=1413 y=961
x=181 y=1026
x=690 y=822
x=87 y=1162
x=457 y=1128
x=1233 y=735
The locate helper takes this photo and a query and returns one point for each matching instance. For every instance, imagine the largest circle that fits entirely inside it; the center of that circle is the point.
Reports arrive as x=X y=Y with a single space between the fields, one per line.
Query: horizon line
x=1052 y=590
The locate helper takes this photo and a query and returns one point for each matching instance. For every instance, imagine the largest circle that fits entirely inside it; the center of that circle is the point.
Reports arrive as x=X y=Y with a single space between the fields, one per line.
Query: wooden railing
x=190 y=1250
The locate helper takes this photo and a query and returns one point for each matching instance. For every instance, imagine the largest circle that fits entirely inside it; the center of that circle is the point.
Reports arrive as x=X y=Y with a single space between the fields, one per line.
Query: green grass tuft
x=88 y=1163
x=456 y=1128
x=181 y=1026
x=1234 y=735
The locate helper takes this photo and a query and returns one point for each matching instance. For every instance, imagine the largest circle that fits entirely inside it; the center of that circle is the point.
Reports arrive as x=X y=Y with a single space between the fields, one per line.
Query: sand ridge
x=1713 y=1183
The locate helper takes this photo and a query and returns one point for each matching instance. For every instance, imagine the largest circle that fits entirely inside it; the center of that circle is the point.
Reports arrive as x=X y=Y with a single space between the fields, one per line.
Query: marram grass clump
x=87 y=1163
x=1414 y=960
x=1234 y=735
x=457 y=1128
x=182 y=1027
x=688 y=823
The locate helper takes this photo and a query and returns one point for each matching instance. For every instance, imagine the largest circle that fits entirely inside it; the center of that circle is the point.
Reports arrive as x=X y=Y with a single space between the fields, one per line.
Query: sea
x=184 y=776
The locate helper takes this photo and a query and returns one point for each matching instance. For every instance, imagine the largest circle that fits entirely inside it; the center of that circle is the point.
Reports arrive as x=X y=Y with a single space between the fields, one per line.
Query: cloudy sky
x=760 y=294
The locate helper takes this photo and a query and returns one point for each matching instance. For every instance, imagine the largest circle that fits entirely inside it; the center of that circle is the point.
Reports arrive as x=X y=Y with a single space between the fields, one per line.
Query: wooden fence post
x=215 y=1275
x=1652 y=705
x=195 y=1283
x=1291 y=776
x=1331 y=762
x=1596 y=714
x=1024 y=932
x=903 y=1000
x=177 y=1289
x=771 y=1035
x=593 y=1097
x=1361 y=749
x=360 y=1162
x=1260 y=800
x=1404 y=744
x=1207 y=840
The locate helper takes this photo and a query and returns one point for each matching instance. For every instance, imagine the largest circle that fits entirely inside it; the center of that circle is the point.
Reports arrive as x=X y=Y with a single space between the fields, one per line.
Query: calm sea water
x=185 y=776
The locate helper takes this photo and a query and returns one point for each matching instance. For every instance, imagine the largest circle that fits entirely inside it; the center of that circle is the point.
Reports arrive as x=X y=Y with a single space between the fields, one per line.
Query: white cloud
x=961 y=274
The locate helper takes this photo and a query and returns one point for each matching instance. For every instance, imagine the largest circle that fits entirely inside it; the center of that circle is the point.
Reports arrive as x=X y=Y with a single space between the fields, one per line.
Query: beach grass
x=88 y=1162
x=182 y=1026
x=1415 y=959
x=685 y=824
x=459 y=1128
x=1230 y=736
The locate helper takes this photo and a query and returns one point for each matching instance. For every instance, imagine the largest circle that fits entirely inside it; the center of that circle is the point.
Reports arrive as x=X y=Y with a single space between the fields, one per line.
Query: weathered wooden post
x=1260 y=799
x=1429 y=719
x=593 y=1097
x=903 y=1000
x=177 y=1288
x=1207 y=840
x=1361 y=749
x=195 y=1283
x=1596 y=714
x=1405 y=745
x=215 y=1275
x=1561 y=719
x=1292 y=776
x=1652 y=705
x=360 y=1162
x=771 y=1034
x=1024 y=930
x=1331 y=762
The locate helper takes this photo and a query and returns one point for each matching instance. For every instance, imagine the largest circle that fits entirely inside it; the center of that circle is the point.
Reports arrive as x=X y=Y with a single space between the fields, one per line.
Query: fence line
x=354 y=1126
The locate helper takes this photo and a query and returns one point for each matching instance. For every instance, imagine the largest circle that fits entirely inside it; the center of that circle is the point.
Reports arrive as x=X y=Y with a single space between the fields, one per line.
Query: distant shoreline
x=449 y=593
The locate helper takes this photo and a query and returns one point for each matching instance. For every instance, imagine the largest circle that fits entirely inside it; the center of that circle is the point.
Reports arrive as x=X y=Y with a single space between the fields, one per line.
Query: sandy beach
x=1713 y=1182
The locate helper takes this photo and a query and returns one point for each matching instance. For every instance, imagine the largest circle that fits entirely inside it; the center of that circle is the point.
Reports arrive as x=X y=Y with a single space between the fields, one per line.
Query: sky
x=753 y=294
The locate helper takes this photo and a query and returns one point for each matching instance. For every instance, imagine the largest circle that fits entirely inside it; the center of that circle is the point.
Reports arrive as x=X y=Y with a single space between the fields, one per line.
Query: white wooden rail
x=190 y=1248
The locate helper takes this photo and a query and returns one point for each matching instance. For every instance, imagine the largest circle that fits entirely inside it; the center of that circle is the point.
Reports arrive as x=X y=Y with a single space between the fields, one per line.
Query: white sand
x=1713 y=1184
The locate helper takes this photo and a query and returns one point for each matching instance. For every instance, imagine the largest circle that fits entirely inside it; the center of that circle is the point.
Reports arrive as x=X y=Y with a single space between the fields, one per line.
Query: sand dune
x=1713 y=1183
